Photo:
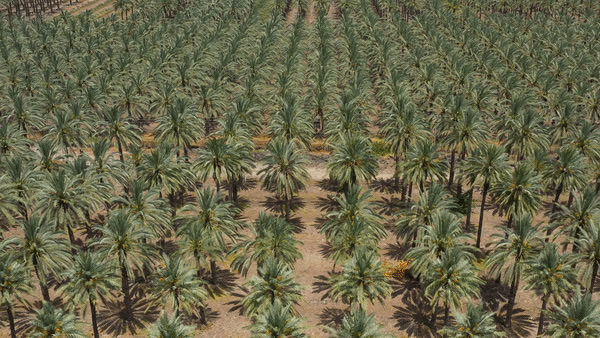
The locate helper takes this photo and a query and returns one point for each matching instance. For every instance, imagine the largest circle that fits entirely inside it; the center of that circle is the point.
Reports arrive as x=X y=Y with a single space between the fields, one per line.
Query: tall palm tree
x=9 y=202
x=13 y=141
x=361 y=280
x=89 y=279
x=451 y=279
x=15 y=281
x=274 y=283
x=284 y=171
x=475 y=323
x=123 y=243
x=217 y=217
x=24 y=180
x=488 y=164
x=588 y=245
x=278 y=320
x=550 y=274
x=573 y=220
x=180 y=126
x=64 y=131
x=167 y=327
x=216 y=158
x=292 y=123
x=423 y=162
x=512 y=249
x=352 y=160
x=358 y=324
x=118 y=128
x=45 y=250
x=568 y=172
x=272 y=237
x=176 y=283
x=162 y=171
x=52 y=322
x=577 y=317
x=349 y=120
x=519 y=192
x=525 y=134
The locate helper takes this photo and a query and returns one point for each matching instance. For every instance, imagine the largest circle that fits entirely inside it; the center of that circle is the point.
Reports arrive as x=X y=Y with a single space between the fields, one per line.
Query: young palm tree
x=577 y=317
x=284 y=171
x=550 y=274
x=475 y=323
x=451 y=279
x=118 y=128
x=89 y=279
x=423 y=162
x=169 y=327
x=512 y=249
x=217 y=217
x=273 y=237
x=45 y=250
x=519 y=192
x=488 y=164
x=180 y=126
x=52 y=322
x=349 y=120
x=358 y=324
x=176 y=283
x=123 y=243
x=277 y=320
x=352 y=159
x=362 y=279
x=292 y=123
x=15 y=280
x=274 y=283
x=588 y=245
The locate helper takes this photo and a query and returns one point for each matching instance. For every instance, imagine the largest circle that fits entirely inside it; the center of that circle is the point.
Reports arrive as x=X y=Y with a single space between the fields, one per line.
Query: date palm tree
x=511 y=250
x=474 y=323
x=52 y=322
x=218 y=157
x=358 y=324
x=451 y=279
x=573 y=220
x=217 y=217
x=352 y=160
x=577 y=317
x=519 y=192
x=10 y=202
x=278 y=320
x=588 y=245
x=180 y=127
x=168 y=327
x=123 y=243
x=525 y=134
x=361 y=280
x=284 y=171
x=13 y=141
x=162 y=171
x=487 y=165
x=45 y=250
x=89 y=279
x=568 y=172
x=423 y=162
x=118 y=128
x=15 y=281
x=274 y=283
x=551 y=274
x=292 y=122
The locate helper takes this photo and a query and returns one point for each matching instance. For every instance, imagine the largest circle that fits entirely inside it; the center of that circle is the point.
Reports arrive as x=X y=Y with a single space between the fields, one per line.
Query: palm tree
x=217 y=216
x=176 y=283
x=358 y=324
x=292 y=123
x=169 y=327
x=550 y=274
x=273 y=237
x=277 y=320
x=577 y=317
x=45 y=250
x=525 y=134
x=349 y=120
x=519 y=192
x=274 y=283
x=488 y=164
x=451 y=279
x=180 y=127
x=89 y=279
x=24 y=179
x=362 y=279
x=9 y=201
x=573 y=220
x=423 y=162
x=588 y=245
x=568 y=172
x=64 y=131
x=52 y=322
x=118 y=128
x=13 y=141
x=15 y=280
x=512 y=249
x=162 y=171
x=216 y=158
x=123 y=243
x=352 y=159
x=475 y=323
x=284 y=171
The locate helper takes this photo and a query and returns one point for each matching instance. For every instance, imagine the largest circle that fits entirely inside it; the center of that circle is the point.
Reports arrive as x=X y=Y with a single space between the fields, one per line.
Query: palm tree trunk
x=451 y=176
x=213 y=272
x=469 y=205
x=11 y=321
x=541 y=321
x=433 y=316
x=486 y=187
x=217 y=183
x=120 y=147
x=125 y=289
x=94 y=318
x=446 y=314
x=43 y=286
x=511 y=302
x=202 y=311
x=593 y=278
x=288 y=206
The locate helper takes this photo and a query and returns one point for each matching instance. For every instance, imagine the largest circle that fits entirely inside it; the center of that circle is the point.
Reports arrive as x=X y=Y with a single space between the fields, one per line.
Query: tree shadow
x=389 y=206
x=406 y=287
x=384 y=185
x=521 y=323
x=323 y=284
x=325 y=249
x=396 y=251
x=225 y=281
x=320 y=222
x=328 y=185
x=236 y=304
x=326 y=204
x=493 y=294
x=414 y=316
x=115 y=319
x=277 y=205
x=332 y=317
